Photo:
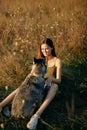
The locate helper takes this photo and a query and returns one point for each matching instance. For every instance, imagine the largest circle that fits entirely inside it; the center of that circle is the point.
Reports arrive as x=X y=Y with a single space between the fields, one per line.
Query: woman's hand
x=49 y=81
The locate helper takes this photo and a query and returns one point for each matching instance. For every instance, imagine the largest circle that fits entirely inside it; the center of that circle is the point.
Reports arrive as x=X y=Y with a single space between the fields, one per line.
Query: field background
x=23 y=24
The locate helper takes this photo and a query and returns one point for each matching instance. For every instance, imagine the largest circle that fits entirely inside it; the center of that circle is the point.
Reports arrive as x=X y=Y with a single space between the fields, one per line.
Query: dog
x=30 y=93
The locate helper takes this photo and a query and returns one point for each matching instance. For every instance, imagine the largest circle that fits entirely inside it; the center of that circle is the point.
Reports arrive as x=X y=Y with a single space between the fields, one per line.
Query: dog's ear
x=35 y=60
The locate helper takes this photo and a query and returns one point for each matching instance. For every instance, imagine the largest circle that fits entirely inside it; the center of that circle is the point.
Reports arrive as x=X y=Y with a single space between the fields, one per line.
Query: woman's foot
x=32 y=124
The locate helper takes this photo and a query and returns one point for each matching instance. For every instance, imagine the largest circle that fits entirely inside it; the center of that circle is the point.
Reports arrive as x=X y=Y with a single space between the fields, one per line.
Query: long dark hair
x=49 y=42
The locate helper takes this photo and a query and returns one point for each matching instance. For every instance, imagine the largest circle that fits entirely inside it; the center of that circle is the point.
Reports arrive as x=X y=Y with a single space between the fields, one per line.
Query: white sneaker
x=33 y=122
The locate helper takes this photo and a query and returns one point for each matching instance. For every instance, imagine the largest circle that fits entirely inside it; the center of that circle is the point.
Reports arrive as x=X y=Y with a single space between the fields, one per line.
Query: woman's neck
x=49 y=57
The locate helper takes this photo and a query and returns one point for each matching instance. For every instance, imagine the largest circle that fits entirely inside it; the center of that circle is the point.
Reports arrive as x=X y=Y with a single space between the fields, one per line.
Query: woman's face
x=46 y=50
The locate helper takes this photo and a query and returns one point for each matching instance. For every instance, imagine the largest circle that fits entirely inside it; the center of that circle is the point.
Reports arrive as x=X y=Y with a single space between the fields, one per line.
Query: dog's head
x=39 y=66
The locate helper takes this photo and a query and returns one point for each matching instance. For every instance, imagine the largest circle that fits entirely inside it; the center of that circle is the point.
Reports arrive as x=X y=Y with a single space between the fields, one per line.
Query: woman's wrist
x=55 y=81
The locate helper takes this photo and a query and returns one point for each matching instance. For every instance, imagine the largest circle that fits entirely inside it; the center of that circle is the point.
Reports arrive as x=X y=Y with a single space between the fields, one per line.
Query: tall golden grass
x=24 y=23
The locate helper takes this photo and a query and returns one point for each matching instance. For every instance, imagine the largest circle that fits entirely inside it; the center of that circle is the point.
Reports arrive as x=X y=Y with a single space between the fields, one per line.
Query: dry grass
x=24 y=23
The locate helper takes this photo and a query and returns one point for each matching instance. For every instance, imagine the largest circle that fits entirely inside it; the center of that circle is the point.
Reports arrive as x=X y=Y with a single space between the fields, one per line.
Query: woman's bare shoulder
x=57 y=61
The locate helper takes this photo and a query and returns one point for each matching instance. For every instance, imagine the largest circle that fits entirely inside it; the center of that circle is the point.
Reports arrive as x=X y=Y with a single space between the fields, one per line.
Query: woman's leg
x=8 y=99
x=34 y=119
x=51 y=94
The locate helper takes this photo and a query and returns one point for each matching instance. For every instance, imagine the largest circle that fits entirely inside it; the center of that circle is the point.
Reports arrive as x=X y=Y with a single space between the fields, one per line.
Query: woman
x=53 y=78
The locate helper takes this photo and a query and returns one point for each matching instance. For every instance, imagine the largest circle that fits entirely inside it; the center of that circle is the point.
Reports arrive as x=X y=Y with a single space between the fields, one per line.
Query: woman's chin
x=45 y=55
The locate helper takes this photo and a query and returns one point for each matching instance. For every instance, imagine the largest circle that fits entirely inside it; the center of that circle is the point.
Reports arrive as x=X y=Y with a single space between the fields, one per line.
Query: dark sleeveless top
x=51 y=72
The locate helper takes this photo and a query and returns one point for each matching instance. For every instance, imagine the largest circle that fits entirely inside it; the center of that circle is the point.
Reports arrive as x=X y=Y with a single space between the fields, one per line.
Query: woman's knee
x=54 y=87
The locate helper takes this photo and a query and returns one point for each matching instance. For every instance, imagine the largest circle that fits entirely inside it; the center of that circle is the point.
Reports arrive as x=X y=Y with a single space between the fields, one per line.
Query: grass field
x=23 y=24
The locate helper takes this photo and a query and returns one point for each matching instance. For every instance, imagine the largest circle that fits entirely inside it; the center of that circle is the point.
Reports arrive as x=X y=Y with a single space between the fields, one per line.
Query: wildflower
x=2 y=125
x=54 y=9
x=6 y=88
x=16 y=43
x=21 y=51
x=14 y=53
x=23 y=101
x=51 y=27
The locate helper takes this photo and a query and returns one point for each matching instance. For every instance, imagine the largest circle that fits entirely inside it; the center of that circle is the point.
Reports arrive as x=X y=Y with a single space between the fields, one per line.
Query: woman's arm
x=58 y=70
x=8 y=99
